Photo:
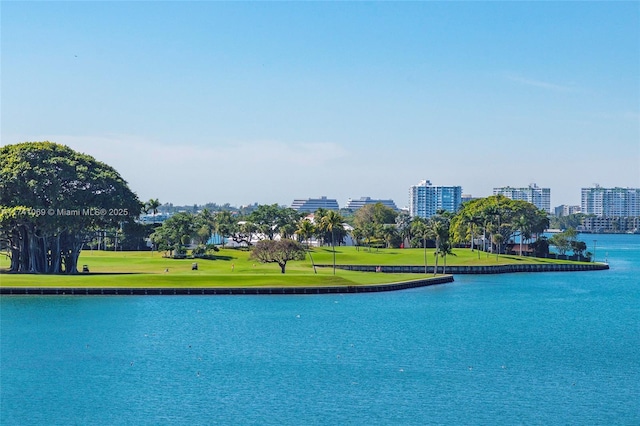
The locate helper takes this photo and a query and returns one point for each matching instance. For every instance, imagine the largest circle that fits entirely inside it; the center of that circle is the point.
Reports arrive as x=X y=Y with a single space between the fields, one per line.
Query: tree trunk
x=74 y=255
x=33 y=244
x=282 y=266
x=311 y=257
x=424 y=243
x=55 y=256
x=333 y=244
x=15 y=258
x=435 y=271
x=520 y=243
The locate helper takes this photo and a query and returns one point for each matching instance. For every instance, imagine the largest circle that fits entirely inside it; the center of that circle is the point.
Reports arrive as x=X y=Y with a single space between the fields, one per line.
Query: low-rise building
x=595 y=224
x=313 y=204
x=566 y=210
x=363 y=201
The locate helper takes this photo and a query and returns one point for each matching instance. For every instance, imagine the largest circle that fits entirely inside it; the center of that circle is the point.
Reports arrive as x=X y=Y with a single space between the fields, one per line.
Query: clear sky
x=196 y=102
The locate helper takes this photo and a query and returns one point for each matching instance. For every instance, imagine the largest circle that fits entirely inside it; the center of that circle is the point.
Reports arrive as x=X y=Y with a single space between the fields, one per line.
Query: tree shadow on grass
x=225 y=258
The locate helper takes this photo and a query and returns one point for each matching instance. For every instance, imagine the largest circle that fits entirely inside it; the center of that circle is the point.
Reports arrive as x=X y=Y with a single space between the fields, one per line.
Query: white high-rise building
x=425 y=199
x=539 y=197
x=611 y=202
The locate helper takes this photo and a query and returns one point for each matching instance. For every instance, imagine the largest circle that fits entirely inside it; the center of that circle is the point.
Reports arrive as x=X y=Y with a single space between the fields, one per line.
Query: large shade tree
x=278 y=251
x=376 y=222
x=175 y=233
x=53 y=200
x=272 y=220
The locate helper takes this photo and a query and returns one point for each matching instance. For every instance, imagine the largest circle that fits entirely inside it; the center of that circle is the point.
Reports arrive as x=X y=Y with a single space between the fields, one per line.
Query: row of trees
x=54 y=201
x=497 y=219
x=483 y=224
x=266 y=222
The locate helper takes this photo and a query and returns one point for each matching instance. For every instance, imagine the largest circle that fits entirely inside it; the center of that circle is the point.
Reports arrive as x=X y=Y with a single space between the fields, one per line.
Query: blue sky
x=266 y=102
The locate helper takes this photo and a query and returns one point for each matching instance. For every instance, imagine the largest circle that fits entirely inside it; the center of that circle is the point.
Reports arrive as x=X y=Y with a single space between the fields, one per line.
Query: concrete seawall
x=487 y=269
x=116 y=291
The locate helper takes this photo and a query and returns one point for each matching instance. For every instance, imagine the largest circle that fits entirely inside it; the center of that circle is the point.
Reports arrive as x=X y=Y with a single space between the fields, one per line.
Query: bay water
x=539 y=348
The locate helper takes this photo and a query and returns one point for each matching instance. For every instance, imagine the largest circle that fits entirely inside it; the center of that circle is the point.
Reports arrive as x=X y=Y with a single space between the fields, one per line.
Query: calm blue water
x=556 y=348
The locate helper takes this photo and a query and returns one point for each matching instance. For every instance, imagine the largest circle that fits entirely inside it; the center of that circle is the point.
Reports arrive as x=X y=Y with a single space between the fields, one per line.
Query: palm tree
x=332 y=221
x=474 y=221
x=523 y=225
x=152 y=206
x=305 y=231
x=357 y=233
x=419 y=228
x=224 y=224
x=435 y=227
x=439 y=226
x=403 y=223
x=389 y=233
x=446 y=249
x=368 y=234
x=491 y=217
x=497 y=240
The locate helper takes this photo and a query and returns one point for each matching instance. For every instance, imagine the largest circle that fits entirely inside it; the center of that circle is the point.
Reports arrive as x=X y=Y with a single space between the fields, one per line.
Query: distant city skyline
x=243 y=102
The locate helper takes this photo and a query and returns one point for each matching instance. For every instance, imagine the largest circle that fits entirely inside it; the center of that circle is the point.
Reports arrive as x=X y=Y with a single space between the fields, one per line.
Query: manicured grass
x=232 y=268
x=382 y=257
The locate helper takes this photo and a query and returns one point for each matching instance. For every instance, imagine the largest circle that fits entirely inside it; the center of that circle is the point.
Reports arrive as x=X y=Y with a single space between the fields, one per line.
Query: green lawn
x=461 y=257
x=233 y=268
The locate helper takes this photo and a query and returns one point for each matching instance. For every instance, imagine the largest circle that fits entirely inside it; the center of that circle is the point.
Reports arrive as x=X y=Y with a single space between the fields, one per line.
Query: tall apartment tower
x=425 y=199
x=611 y=202
x=539 y=197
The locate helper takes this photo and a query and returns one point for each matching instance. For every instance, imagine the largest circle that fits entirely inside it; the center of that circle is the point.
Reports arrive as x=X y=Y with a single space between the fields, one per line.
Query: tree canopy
x=499 y=216
x=278 y=251
x=52 y=199
x=272 y=220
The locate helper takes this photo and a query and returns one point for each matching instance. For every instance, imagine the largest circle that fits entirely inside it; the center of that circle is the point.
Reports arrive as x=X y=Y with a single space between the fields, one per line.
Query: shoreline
x=476 y=270
x=365 y=288
x=199 y=291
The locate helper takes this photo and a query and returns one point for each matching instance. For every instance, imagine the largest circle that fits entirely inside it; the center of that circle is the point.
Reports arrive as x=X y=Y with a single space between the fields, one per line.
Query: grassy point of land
x=232 y=268
x=382 y=257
